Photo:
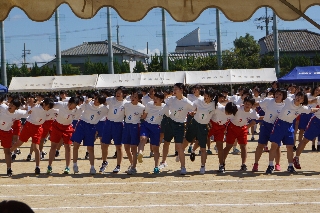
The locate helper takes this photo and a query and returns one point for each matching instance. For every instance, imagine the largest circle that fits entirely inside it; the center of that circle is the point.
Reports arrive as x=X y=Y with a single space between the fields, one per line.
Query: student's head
x=136 y=96
x=231 y=109
x=301 y=99
x=12 y=206
x=315 y=91
x=240 y=91
x=256 y=92
x=31 y=99
x=100 y=99
x=120 y=93
x=225 y=92
x=248 y=103
x=73 y=103
x=158 y=98
x=63 y=95
x=275 y=85
x=221 y=97
x=196 y=90
x=245 y=93
x=271 y=93
x=81 y=100
x=307 y=89
x=47 y=104
x=178 y=89
x=292 y=88
x=40 y=97
x=208 y=95
x=1 y=98
x=90 y=95
x=152 y=91
x=14 y=105
x=144 y=91
x=280 y=95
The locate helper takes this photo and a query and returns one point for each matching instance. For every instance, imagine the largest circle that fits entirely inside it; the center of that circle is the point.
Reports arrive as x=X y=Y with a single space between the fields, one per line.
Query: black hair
x=305 y=98
x=101 y=99
x=1 y=98
x=96 y=94
x=210 y=93
x=284 y=93
x=90 y=95
x=180 y=86
x=123 y=90
x=144 y=90
x=62 y=92
x=313 y=90
x=81 y=99
x=216 y=98
x=140 y=95
x=48 y=101
x=16 y=103
x=250 y=100
x=11 y=206
x=231 y=108
x=74 y=100
x=159 y=95
x=224 y=90
x=276 y=82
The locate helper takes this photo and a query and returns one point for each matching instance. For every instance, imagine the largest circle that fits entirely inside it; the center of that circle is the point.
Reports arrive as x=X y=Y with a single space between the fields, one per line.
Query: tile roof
x=293 y=41
x=100 y=48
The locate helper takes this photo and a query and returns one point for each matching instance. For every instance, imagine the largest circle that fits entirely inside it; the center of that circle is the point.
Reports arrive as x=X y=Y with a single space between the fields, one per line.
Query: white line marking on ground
x=159 y=182
x=165 y=192
x=182 y=205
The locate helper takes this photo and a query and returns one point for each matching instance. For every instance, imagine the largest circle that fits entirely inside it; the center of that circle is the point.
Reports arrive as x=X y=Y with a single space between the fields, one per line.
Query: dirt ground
x=168 y=191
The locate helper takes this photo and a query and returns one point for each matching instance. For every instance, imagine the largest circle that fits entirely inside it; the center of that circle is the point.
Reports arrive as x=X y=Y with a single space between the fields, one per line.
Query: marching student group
x=129 y=119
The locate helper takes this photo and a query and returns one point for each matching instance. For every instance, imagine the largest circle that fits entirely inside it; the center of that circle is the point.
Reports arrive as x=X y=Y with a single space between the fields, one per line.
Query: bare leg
x=119 y=154
x=52 y=152
x=76 y=147
x=37 y=153
x=180 y=148
x=165 y=151
x=128 y=151
x=220 y=152
x=104 y=150
x=243 y=148
x=134 y=155
x=67 y=148
x=91 y=154
x=156 y=155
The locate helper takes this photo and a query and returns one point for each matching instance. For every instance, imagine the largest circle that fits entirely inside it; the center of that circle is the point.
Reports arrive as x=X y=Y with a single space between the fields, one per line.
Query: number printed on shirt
x=240 y=120
x=289 y=112
x=129 y=118
x=115 y=111
x=92 y=116
x=152 y=118
x=40 y=120
x=3 y=123
x=270 y=115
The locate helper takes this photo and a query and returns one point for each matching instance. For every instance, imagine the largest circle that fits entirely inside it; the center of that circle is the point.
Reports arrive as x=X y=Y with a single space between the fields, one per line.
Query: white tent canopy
x=116 y=80
x=76 y=82
x=208 y=77
x=161 y=78
x=264 y=75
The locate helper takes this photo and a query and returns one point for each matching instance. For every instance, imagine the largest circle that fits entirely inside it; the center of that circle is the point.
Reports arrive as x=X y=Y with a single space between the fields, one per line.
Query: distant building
x=292 y=43
x=97 y=51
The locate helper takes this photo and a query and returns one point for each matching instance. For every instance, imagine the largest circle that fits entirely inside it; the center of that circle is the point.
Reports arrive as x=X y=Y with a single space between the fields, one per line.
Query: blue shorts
x=74 y=123
x=174 y=130
x=304 y=120
x=313 y=129
x=131 y=134
x=265 y=131
x=84 y=132
x=260 y=111
x=151 y=131
x=112 y=130
x=282 y=131
x=99 y=127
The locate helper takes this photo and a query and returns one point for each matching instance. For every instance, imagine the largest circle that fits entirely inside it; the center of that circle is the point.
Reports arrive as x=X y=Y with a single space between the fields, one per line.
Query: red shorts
x=236 y=132
x=6 y=138
x=31 y=130
x=16 y=127
x=47 y=128
x=61 y=131
x=217 y=131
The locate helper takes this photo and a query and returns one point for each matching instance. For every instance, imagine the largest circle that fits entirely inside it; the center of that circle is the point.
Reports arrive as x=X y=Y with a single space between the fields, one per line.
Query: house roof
x=293 y=41
x=100 y=48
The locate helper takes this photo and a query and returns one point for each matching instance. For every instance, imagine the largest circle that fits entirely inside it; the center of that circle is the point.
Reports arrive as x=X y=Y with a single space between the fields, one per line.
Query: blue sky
x=39 y=36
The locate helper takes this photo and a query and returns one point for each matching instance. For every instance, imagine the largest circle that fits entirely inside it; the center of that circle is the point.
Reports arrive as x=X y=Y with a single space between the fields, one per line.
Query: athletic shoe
x=255 y=167
x=221 y=169
x=93 y=171
x=151 y=155
x=156 y=170
x=29 y=157
x=49 y=170
x=140 y=157
x=132 y=171
x=18 y=152
x=199 y=153
x=42 y=155
x=255 y=132
x=176 y=153
x=117 y=169
x=291 y=169
x=192 y=156
x=270 y=169
x=236 y=151
x=296 y=163
x=57 y=153
x=115 y=155
x=318 y=148
x=277 y=167
x=209 y=152
x=266 y=149
x=216 y=149
x=103 y=166
x=37 y=170
x=243 y=167
x=66 y=171
x=163 y=165
x=87 y=155
x=183 y=171
x=202 y=170
x=13 y=156
x=314 y=148
x=129 y=167
x=190 y=149
x=252 y=138
x=9 y=172
x=177 y=158
x=75 y=169
x=294 y=148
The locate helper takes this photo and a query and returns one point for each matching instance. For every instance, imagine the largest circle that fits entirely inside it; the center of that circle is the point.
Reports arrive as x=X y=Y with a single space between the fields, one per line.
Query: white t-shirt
x=51 y=114
x=133 y=113
x=65 y=116
x=242 y=118
x=146 y=99
x=155 y=113
x=78 y=113
x=271 y=109
x=204 y=111
x=317 y=113
x=7 y=118
x=219 y=116
x=38 y=115
x=289 y=95
x=239 y=101
x=290 y=111
x=116 y=109
x=257 y=99
x=234 y=98
x=92 y=114
x=311 y=97
x=193 y=98
x=179 y=108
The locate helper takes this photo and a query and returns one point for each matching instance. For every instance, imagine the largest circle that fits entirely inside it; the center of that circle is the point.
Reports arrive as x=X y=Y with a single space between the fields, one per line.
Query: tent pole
x=3 y=56
x=231 y=91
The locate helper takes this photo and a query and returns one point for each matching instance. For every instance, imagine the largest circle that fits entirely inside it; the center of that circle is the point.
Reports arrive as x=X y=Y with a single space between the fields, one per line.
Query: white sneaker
x=93 y=171
x=103 y=167
x=132 y=171
x=177 y=158
x=117 y=169
x=216 y=149
x=162 y=165
x=202 y=170
x=151 y=154
x=140 y=157
x=183 y=171
x=75 y=169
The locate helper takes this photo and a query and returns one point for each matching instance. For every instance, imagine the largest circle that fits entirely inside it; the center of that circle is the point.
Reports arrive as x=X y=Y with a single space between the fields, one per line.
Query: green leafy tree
x=156 y=64
x=139 y=68
x=246 y=45
x=116 y=67
x=125 y=67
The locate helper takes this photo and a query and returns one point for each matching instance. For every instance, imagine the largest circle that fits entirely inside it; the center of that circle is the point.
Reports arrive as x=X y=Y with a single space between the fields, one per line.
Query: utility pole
x=110 y=51
x=58 y=52
x=276 y=44
x=263 y=22
x=219 y=51
x=164 y=42
x=25 y=53
x=3 y=57
x=118 y=40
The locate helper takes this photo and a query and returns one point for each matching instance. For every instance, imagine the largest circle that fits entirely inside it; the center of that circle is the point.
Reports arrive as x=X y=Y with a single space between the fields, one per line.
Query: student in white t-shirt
x=148 y=97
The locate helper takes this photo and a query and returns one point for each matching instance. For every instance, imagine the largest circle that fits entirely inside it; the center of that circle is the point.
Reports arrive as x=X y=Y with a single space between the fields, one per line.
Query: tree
x=246 y=46
x=139 y=68
x=116 y=67
x=125 y=67
x=156 y=64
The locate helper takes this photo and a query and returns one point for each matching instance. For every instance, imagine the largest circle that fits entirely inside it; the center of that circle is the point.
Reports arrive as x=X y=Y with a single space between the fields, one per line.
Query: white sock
x=290 y=164
x=270 y=163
